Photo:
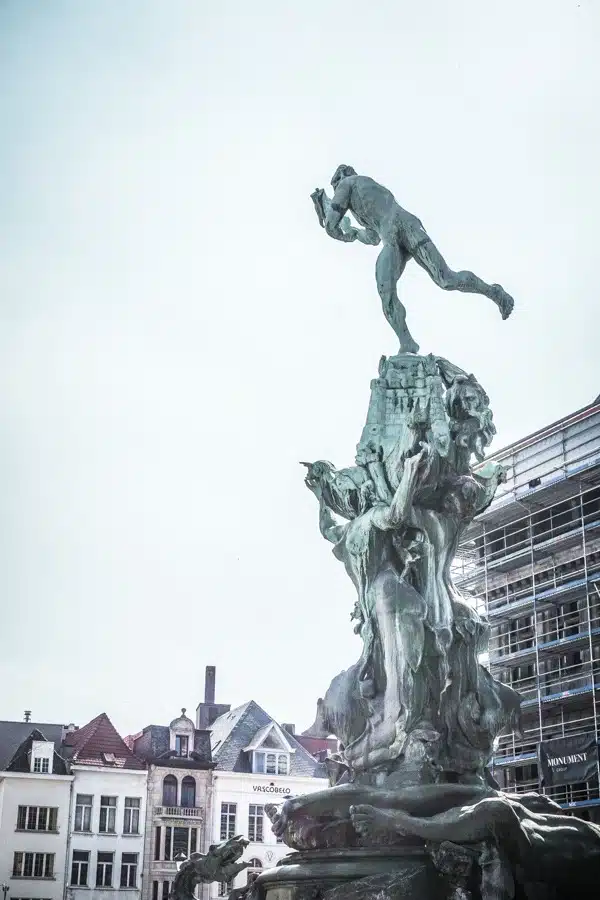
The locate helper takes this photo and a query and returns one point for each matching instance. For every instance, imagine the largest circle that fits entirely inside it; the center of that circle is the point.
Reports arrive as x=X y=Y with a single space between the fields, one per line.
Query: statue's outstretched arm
x=336 y=210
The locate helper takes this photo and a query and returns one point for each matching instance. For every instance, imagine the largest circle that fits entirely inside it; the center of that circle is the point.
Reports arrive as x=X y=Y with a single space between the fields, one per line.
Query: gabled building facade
x=105 y=846
x=179 y=765
x=35 y=791
x=257 y=761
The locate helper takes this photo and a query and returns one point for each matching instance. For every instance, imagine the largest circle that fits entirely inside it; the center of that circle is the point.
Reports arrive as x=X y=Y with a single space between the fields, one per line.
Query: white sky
x=177 y=332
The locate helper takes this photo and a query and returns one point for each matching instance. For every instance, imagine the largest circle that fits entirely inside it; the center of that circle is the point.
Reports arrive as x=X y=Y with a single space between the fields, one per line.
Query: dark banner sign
x=569 y=760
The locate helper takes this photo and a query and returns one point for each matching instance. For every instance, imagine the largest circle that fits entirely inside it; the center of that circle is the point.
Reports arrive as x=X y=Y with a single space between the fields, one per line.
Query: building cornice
x=81 y=767
x=36 y=776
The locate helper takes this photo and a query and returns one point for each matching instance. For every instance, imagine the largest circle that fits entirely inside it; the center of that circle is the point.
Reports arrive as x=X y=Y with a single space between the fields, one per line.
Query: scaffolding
x=531 y=563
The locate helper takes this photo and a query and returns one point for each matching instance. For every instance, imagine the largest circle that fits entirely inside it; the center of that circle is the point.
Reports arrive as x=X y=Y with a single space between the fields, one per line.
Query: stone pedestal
x=358 y=874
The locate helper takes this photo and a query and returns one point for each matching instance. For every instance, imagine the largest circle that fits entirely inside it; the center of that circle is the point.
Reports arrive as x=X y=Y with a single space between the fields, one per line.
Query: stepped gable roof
x=99 y=744
x=13 y=734
x=20 y=760
x=244 y=727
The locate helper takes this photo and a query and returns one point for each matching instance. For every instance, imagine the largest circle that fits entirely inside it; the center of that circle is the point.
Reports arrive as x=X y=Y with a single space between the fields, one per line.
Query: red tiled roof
x=97 y=738
x=130 y=739
x=315 y=745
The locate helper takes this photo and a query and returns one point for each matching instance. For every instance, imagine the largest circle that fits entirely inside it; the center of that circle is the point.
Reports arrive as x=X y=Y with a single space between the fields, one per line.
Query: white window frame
x=130 y=867
x=228 y=816
x=271 y=762
x=32 y=818
x=45 y=860
x=82 y=867
x=256 y=814
x=110 y=817
x=102 y=865
x=87 y=811
x=131 y=815
x=41 y=765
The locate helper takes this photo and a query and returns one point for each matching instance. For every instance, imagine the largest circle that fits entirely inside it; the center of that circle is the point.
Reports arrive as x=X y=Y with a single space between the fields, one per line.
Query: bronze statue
x=219 y=864
x=403 y=237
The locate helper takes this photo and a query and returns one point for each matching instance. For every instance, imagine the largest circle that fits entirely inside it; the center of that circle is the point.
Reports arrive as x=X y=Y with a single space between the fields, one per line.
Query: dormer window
x=181 y=735
x=42 y=756
x=181 y=744
x=271 y=763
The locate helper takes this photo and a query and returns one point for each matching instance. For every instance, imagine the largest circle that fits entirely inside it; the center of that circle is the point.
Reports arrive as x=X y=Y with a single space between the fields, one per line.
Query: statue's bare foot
x=503 y=301
x=368 y=820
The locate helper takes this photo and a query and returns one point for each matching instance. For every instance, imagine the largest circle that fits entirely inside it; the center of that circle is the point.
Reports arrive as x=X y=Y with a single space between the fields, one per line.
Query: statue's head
x=341 y=172
x=466 y=398
x=467 y=405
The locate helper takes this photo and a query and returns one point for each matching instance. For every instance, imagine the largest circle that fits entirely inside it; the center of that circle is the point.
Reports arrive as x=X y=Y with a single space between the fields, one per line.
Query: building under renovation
x=531 y=561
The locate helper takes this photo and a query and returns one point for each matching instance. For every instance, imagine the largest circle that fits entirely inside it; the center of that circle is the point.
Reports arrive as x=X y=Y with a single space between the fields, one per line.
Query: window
x=41 y=764
x=225 y=887
x=166 y=890
x=155 y=890
x=104 y=869
x=228 y=811
x=188 y=792
x=272 y=763
x=157 y=835
x=131 y=820
x=255 y=865
x=79 y=867
x=37 y=818
x=129 y=863
x=181 y=837
x=255 y=823
x=169 y=797
x=181 y=744
x=179 y=840
x=108 y=815
x=83 y=812
x=33 y=865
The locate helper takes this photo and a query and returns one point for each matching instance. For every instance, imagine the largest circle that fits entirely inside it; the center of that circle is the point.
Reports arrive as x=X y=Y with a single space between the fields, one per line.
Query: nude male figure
x=403 y=237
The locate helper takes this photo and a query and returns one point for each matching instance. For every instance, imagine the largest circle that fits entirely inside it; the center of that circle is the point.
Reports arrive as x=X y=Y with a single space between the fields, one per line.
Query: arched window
x=188 y=792
x=253 y=870
x=169 y=791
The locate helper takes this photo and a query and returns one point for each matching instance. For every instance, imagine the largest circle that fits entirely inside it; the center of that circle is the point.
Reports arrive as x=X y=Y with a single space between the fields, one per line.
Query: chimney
x=210 y=677
x=27 y=715
x=287 y=726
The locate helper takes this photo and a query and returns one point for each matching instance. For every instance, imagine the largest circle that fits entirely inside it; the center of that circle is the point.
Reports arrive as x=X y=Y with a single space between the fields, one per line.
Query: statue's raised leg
x=429 y=258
